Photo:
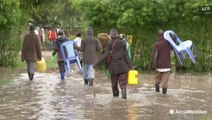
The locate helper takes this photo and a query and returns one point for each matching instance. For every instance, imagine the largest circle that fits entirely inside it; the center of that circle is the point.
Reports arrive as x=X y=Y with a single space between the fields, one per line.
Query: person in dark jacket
x=31 y=51
x=60 y=39
x=161 y=58
x=89 y=46
x=119 y=64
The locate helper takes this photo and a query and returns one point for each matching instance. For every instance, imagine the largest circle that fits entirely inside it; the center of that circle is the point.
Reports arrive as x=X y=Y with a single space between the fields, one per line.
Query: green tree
x=143 y=18
x=140 y=18
x=10 y=24
x=15 y=15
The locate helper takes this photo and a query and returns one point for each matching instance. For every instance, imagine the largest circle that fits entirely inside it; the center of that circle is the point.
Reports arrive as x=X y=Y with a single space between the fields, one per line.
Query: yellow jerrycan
x=133 y=77
x=41 y=65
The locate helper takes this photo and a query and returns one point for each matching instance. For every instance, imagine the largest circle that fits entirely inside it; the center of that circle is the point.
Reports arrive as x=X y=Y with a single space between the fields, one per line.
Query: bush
x=10 y=24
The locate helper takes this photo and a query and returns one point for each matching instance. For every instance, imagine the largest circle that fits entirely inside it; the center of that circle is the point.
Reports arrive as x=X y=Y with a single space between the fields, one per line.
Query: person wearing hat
x=118 y=64
x=60 y=39
x=89 y=46
x=31 y=51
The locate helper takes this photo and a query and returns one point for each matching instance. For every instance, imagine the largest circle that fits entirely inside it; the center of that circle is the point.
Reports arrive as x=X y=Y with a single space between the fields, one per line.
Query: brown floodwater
x=189 y=97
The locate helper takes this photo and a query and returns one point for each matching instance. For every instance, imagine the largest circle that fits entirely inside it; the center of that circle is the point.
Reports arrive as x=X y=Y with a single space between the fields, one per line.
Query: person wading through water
x=31 y=51
x=89 y=46
x=161 y=59
x=118 y=65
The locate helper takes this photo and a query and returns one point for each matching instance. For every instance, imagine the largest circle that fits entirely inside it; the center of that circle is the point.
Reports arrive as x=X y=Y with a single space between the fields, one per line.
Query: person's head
x=78 y=35
x=53 y=28
x=160 y=33
x=61 y=33
x=114 y=33
x=122 y=36
x=31 y=28
x=90 y=31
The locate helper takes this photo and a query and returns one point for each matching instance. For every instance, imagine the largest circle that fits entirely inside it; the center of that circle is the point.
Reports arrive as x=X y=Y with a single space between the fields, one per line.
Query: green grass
x=20 y=64
x=51 y=63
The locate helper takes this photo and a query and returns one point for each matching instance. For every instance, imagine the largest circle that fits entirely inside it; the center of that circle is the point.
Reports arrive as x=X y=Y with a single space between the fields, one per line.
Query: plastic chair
x=69 y=55
x=182 y=47
x=193 y=45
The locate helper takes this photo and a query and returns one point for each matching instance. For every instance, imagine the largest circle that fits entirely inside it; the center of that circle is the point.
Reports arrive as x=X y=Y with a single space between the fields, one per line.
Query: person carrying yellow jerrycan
x=41 y=65
x=132 y=77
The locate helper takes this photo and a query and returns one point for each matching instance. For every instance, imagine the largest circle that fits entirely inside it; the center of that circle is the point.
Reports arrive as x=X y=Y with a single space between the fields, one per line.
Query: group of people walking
x=119 y=62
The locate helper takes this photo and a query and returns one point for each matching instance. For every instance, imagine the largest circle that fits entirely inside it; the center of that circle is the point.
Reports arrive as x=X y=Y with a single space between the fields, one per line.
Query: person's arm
x=153 y=57
x=105 y=55
x=38 y=47
x=49 y=35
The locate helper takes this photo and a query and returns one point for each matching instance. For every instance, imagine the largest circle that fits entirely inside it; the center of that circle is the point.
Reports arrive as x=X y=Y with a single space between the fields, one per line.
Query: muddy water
x=48 y=98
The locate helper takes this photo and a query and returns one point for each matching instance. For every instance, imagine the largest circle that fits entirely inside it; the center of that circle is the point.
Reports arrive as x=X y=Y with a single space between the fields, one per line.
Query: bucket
x=133 y=77
x=41 y=65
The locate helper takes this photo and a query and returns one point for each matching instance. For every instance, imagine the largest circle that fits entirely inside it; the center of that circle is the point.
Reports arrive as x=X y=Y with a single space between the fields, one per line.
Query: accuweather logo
x=185 y=112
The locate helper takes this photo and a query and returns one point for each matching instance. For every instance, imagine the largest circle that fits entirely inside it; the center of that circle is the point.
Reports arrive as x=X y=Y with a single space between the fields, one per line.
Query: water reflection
x=132 y=111
x=49 y=98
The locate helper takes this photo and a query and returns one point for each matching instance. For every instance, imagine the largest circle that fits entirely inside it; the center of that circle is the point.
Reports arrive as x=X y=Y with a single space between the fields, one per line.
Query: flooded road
x=48 y=98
